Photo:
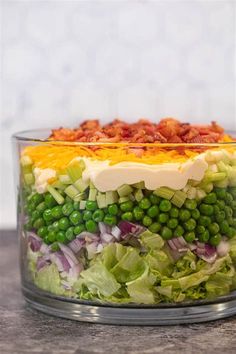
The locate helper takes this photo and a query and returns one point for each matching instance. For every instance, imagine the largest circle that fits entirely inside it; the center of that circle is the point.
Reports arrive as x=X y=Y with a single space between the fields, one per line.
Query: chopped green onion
x=81 y=185
x=179 y=198
x=164 y=192
x=111 y=197
x=65 y=179
x=124 y=190
x=28 y=178
x=56 y=195
x=74 y=170
x=71 y=191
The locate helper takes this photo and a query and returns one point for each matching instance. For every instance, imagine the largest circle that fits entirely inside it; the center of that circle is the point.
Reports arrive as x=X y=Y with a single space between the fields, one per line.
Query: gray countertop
x=23 y=330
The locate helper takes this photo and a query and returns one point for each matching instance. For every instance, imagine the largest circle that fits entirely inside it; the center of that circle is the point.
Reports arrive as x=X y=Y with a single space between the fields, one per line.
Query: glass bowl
x=125 y=233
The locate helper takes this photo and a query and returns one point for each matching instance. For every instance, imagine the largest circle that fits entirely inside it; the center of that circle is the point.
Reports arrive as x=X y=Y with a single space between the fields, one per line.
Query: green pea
x=128 y=216
x=61 y=236
x=35 y=215
x=233 y=205
x=200 y=229
x=220 y=204
x=190 y=224
x=70 y=233
x=46 y=240
x=154 y=227
x=189 y=236
x=213 y=228
x=172 y=223
x=206 y=209
x=232 y=191
x=41 y=207
x=76 y=206
x=174 y=212
x=220 y=216
x=126 y=206
x=98 y=215
x=179 y=231
x=110 y=220
x=153 y=211
x=204 y=220
x=68 y=199
x=55 y=247
x=165 y=205
x=36 y=198
x=91 y=205
x=163 y=218
x=147 y=221
x=154 y=199
x=224 y=227
x=67 y=209
x=78 y=229
x=138 y=213
x=204 y=237
x=38 y=223
x=144 y=203
x=113 y=209
x=190 y=204
x=75 y=217
x=91 y=226
x=30 y=208
x=64 y=223
x=234 y=223
x=215 y=240
x=231 y=232
x=228 y=198
x=228 y=211
x=87 y=215
x=57 y=212
x=49 y=200
x=220 y=192
x=50 y=228
x=42 y=231
x=216 y=209
x=51 y=236
x=166 y=233
x=55 y=226
x=47 y=215
x=184 y=214
x=195 y=214
x=210 y=198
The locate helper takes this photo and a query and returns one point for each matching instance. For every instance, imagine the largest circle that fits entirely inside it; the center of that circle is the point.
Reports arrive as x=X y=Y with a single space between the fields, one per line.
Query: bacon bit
x=168 y=130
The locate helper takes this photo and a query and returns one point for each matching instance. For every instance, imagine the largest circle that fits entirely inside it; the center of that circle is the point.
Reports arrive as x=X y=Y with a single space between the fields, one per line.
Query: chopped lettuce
x=48 y=279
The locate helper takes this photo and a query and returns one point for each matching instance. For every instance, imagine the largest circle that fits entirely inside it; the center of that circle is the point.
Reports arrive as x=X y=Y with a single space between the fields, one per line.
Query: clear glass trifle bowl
x=127 y=229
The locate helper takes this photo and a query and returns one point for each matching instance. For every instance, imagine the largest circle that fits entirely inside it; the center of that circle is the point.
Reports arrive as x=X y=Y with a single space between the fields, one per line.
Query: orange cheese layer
x=58 y=157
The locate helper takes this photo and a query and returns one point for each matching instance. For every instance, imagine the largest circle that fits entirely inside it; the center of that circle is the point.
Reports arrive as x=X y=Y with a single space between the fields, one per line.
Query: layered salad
x=141 y=213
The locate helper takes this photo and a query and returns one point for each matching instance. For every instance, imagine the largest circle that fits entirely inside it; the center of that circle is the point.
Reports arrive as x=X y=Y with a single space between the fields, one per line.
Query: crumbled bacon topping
x=168 y=130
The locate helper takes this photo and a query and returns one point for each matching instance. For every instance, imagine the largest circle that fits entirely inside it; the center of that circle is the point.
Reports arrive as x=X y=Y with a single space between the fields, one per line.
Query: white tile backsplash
x=68 y=60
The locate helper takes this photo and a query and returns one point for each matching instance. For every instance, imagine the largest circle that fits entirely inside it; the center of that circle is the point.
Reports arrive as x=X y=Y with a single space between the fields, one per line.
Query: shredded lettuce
x=48 y=279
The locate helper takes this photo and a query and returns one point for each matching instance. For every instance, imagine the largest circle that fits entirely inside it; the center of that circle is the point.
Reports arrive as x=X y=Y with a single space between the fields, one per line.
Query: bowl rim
x=22 y=136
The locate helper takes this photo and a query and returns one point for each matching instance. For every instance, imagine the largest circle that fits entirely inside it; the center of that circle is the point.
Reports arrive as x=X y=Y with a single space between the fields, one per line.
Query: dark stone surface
x=23 y=330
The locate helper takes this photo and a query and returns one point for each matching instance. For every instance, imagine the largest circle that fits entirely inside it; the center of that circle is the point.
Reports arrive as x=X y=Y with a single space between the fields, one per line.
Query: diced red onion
x=99 y=247
x=88 y=236
x=172 y=245
x=206 y=252
x=76 y=244
x=127 y=227
x=209 y=259
x=35 y=241
x=45 y=249
x=116 y=232
x=223 y=248
x=102 y=227
x=91 y=249
x=69 y=254
x=66 y=284
x=74 y=271
x=42 y=262
x=107 y=238
x=60 y=260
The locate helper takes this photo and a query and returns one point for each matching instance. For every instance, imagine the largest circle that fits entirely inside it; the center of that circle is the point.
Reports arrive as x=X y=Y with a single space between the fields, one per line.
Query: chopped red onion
x=102 y=227
x=42 y=262
x=99 y=248
x=76 y=244
x=91 y=249
x=116 y=232
x=66 y=284
x=209 y=259
x=35 y=241
x=88 y=236
x=74 y=271
x=223 y=248
x=60 y=260
x=69 y=254
x=45 y=249
x=127 y=227
x=172 y=245
x=107 y=238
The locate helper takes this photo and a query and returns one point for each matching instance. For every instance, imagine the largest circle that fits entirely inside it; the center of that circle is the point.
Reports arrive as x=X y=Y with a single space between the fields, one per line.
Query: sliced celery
x=111 y=197
x=139 y=185
x=81 y=185
x=75 y=170
x=101 y=200
x=56 y=195
x=82 y=204
x=124 y=190
x=179 y=198
x=92 y=194
x=222 y=166
x=79 y=197
x=65 y=179
x=191 y=193
x=200 y=194
x=71 y=191
x=91 y=185
x=29 y=178
x=214 y=176
x=138 y=194
x=232 y=172
x=164 y=192
x=58 y=185
x=123 y=199
x=26 y=161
